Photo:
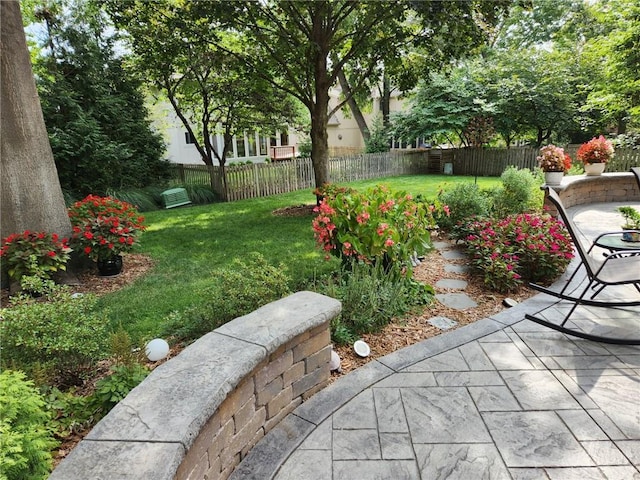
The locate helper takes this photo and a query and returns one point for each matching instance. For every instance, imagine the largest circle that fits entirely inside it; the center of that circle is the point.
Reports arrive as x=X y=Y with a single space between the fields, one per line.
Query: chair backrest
x=587 y=260
x=636 y=172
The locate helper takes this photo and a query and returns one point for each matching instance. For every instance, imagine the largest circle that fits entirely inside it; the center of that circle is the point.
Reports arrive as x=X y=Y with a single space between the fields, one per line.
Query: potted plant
x=595 y=154
x=104 y=228
x=631 y=224
x=554 y=162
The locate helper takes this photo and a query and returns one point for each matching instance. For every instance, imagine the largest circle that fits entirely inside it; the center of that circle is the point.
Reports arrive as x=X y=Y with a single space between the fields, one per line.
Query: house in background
x=343 y=135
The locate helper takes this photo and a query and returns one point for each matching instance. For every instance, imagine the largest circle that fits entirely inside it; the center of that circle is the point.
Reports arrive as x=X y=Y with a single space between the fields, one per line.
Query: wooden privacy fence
x=262 y=179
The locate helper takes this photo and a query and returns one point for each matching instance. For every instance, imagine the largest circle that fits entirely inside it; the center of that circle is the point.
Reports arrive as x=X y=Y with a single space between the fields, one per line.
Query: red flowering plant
x=373 y=226
x=596 y=150
x=553 y=159
x=34 y=254
x=104 y=227
x=535 y=248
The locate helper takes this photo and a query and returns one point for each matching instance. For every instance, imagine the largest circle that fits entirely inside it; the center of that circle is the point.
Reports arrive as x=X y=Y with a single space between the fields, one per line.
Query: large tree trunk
x=353 y=106
x=31 y=197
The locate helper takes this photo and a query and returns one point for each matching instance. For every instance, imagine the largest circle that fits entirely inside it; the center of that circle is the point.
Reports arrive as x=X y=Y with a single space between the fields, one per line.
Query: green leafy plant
x=376 y=226
x=34 y=253
x=520 y=192
x=520 y=247
x=631 y=218
x=25 y=442
x=64 y=333
x=243 y=287
x=371 y=297
x=112 y=389
x=72 y=413
x=464 y=201
x=104 y=227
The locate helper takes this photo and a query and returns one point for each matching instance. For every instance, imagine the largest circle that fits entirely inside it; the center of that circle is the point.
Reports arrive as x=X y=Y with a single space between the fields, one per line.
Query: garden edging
x=197 y=415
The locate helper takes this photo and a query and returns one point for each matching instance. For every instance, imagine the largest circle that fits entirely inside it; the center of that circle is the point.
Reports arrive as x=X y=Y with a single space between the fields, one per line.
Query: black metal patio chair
x=617 y=268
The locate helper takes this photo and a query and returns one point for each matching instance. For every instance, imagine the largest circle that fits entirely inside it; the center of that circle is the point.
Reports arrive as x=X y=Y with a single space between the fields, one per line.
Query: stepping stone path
x=459 y=301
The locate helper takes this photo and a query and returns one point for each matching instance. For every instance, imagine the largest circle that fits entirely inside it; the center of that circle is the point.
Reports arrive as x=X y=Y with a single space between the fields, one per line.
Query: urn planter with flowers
x=554 y=162
x=103 y=229
x=595 y=154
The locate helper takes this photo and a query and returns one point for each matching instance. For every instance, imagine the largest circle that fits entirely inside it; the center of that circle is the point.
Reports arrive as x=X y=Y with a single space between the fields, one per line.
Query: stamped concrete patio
x=502 y=398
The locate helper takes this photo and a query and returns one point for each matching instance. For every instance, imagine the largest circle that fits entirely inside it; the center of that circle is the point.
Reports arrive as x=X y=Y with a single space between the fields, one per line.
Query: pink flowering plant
x=34 y=254
x=104 y=226
x=372 y=226
x=596 y=150
x=553 y=159
x=523 y=247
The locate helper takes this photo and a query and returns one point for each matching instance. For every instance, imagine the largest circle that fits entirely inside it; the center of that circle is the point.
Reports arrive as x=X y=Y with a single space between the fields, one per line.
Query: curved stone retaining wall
x=197 y=415
x=608 y=187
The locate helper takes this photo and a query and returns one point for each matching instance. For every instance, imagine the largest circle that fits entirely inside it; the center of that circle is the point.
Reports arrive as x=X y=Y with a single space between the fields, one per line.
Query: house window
x=251 y=144
x=240 y=147
x=263 y=146
x=284 y=138
x=188 y=138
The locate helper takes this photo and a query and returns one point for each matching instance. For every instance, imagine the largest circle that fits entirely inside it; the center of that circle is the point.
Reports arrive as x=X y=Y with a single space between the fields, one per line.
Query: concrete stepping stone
x=453 y=268
x=443 y=323
x=452 y=283
x=453 y=254
x=441 y=245
x=459 y=301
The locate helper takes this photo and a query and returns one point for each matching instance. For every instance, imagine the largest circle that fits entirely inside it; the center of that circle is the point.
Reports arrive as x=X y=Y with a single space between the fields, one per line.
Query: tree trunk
x=31 y=197
x=385 y=100
x=353 y=106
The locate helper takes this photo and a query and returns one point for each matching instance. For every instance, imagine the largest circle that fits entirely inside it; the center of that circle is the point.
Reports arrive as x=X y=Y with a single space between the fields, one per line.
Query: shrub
x=240 y=289
x=520 y=247
x=25 y=442
x=376 y=226
x=104 y=227
x=64 y=333
x=464 y=201
x=371 y=297
x=112 y=389
x=34 y=253
x=520 y=192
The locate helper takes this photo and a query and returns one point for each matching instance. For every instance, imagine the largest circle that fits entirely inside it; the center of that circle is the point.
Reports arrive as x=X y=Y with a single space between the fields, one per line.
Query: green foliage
x=631 y=217
x=242 y=287
x=93 y=107
x=25 y=443
x=121 y=347
x=371 y=297
x=200 y=194
x=71 y=413
x=64 y=333
x=520 y=192
x=464 y=201
x=141 y=199
x=519 y=247
x=112 y=389
x=378 y=138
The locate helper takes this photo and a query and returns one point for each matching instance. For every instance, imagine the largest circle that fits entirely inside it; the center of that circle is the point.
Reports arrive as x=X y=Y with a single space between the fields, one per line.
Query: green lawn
x=190 y=244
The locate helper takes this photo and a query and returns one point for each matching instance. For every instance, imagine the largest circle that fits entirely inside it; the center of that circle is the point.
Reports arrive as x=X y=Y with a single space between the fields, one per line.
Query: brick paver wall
x=197 y=415
x=608 y=187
